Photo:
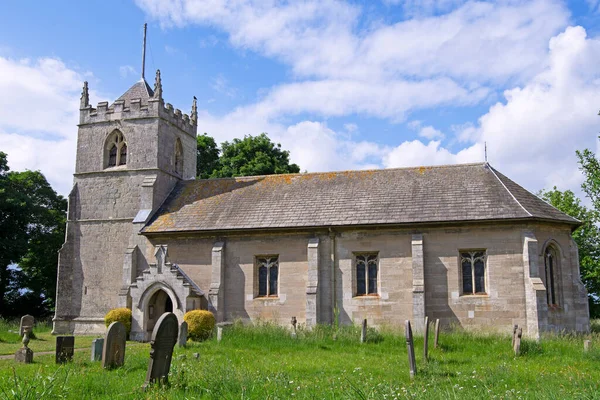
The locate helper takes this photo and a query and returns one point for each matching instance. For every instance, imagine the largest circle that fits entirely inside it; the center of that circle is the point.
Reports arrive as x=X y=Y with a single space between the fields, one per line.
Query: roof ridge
x=509 y=192
x=350 y=170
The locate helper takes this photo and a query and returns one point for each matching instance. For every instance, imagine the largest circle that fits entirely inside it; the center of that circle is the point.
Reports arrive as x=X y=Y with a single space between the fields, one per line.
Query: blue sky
x=342 y=85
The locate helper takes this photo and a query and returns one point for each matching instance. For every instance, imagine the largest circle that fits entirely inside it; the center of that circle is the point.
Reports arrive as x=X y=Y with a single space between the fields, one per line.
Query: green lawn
x=266 y=363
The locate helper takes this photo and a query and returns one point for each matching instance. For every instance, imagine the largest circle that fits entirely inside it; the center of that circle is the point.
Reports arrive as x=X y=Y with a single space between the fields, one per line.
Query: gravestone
x=437 y=333
x=65 y=346
x=586 y=345
x=514 y=335
x=517 y=346
x=410 y=346
x=363 y=331
x=25 y=354
x=219 y=333
x=426 y=340
x=97 y=345
x=163 y=340
x=113 y=351
x=183 y=334
x=26 y=320
x=294 y=322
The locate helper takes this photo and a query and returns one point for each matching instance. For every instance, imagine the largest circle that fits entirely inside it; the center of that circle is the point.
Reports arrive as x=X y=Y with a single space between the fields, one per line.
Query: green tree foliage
x=207 y=156
x=589 y=165
x=252 y=155
x=587 y=237
x=32 y=229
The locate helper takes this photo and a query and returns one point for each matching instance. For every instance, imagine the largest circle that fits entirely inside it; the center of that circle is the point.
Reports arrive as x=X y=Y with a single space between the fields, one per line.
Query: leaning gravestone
x=411 y=350
x=97 y=345
x=113 y=351
x=426 y=340
x=163 y=340
x=437 y=333
x=517 y=346
x=363 y=331
x=183 y=334
x=26 y=320
x=65 y=346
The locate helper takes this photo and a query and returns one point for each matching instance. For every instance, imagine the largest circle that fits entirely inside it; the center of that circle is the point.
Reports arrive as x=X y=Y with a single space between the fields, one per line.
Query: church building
x=462 y=243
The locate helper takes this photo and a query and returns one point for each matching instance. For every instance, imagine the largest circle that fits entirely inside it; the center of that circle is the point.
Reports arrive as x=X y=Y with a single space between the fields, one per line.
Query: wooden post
x=363 y=332
x=517 y=346
x=514 y=335
x=437 y=333
x=294 y=322
x=411 y=350
x=426 y=340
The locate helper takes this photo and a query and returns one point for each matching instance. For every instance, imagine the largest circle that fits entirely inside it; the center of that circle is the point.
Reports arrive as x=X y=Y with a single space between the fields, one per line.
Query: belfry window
x=551 y=274
x=473 y=272
x=117 y=150
x=178 y=157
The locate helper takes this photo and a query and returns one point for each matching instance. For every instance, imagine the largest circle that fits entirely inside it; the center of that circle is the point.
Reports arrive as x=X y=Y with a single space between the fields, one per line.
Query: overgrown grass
x=265 y=362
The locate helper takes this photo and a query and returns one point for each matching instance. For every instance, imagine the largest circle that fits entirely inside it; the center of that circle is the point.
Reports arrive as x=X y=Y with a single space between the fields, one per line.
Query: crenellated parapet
x=154 y=107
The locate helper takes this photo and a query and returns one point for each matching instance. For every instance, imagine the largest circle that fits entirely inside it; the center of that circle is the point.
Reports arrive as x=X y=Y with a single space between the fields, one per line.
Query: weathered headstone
x=437 y=333
x=97 y=346
x=426 y=340
x=517 y=346
x=25 y=354
x=586 y=345
x=412 y=364
x=163 y=340
x=514 y=336
x=65 y=346
x=183 y=334
x=26 y=320
x=113 y=351
x=294 y=322
x=363 y=331
x=219 y=333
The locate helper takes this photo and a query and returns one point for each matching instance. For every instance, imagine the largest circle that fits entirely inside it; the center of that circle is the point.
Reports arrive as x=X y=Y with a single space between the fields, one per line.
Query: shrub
x=200 y=324
x=123 y=315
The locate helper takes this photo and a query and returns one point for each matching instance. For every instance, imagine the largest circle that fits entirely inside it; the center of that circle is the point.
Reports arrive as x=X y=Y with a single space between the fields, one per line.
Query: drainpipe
x=333 y=286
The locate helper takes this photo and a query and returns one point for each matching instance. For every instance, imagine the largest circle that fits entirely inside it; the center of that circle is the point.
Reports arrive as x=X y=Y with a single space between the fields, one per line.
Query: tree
x=32 y=226
x=587 y=237
x=589 y=165
x=207 y=156
x=253 y=155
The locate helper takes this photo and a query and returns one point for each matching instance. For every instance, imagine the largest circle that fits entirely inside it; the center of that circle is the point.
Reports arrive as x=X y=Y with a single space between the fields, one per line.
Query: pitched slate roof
x=441 y=194
x=139 y=90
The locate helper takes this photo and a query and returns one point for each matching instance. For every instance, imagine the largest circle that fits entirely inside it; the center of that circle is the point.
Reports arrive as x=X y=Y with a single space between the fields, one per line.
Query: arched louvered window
x=178 y=157
x=116 y=150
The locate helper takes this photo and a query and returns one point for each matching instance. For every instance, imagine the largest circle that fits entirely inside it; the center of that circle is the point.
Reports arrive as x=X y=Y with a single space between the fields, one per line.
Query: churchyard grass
x=265 y=362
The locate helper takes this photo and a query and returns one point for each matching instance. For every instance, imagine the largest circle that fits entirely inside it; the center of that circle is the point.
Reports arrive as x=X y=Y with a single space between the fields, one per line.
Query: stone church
x=462 y=243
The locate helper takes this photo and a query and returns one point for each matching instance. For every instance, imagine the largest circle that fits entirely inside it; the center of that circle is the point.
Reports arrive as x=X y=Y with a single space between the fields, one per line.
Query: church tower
x=130 y=155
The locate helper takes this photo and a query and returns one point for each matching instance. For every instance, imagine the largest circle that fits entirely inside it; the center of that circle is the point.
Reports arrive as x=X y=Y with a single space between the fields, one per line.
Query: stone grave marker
x=26 y=320
x=363 y=331
x=514 y=335
x=65 y=346
x=183 y=334
x=426 y=340
x=113 y=351
x=97 y=345
x=411 y=350
x=219 y=333
x=163 y=340
x=586 y=345
x=517 y=346
x=25 y=354
x=437 y=333
x=294 y=322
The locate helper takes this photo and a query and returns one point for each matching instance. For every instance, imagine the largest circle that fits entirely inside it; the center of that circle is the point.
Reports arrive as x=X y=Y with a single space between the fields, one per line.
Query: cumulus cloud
x=126 y=71
x=39 y=111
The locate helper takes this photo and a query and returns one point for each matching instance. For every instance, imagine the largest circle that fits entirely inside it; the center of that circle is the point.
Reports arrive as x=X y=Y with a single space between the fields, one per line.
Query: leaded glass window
x=366 y=274
x=473 y=272
x=551 y=267
x=268 y=275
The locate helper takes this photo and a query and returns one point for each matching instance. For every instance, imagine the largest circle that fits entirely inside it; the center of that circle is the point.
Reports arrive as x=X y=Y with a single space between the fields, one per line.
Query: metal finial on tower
x=157 y=86
x=194 y=116
x=144 y=54
x=85 y=96
x=485 y=150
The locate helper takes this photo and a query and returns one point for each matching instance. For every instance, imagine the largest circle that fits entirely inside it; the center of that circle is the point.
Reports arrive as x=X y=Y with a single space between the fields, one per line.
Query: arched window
x=551 y=274
x=178 y=157
x=116 y=147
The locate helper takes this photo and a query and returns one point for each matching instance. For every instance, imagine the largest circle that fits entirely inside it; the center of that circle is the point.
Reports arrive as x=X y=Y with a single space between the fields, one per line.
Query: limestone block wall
x=503 y=305
x=166 y=142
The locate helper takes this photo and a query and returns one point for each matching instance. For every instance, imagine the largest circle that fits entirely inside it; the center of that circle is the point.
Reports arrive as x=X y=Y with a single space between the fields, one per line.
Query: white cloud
x=39 y=111
x=427 y=132
x=126 y=71
x=221 y=85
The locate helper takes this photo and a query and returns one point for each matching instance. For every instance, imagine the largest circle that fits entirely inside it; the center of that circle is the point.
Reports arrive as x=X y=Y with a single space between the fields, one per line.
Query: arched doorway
x=159 y=303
